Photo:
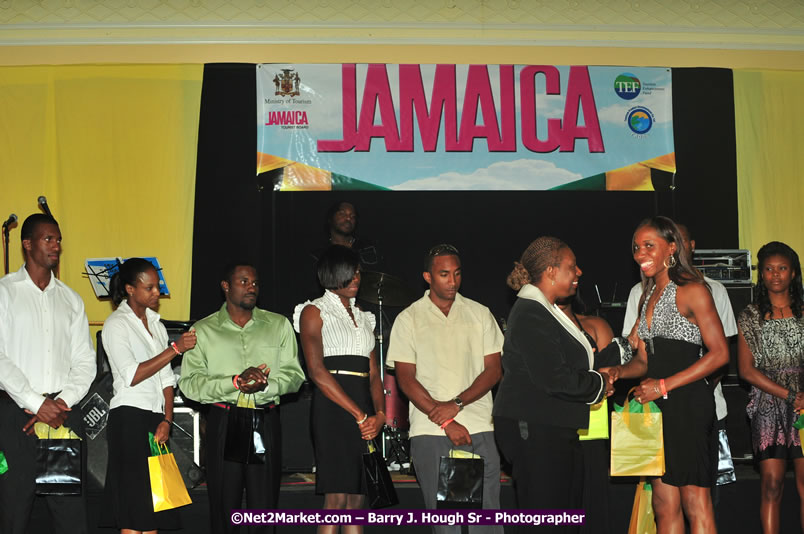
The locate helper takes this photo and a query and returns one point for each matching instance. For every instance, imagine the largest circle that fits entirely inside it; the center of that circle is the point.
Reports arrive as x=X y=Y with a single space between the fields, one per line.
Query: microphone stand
x=5 y=247
x=381 y=362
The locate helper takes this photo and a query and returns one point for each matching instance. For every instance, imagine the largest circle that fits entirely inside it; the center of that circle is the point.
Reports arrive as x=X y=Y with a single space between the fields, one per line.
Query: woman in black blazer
x=548 y=382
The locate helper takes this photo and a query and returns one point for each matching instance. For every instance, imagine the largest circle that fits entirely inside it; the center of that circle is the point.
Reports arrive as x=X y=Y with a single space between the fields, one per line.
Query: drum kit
x=386 y=290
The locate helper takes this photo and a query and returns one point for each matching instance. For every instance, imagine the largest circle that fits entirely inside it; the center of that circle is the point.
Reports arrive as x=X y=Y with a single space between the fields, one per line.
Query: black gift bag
x=380 y=492
x=460 y=483
x=58 y=467
x=245 y=437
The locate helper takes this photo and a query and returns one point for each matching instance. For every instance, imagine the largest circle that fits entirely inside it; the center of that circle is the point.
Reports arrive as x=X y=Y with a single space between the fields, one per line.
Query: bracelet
x=168 y=421
x=234 y=381
x=380 y=412
x=664 y=388
x=365 y=416
x=175 y=348
x=791 y=396
x=448 y=421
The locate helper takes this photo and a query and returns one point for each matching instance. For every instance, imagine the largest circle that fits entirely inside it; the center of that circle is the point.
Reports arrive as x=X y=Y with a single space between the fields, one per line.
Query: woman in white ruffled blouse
x=337 y=338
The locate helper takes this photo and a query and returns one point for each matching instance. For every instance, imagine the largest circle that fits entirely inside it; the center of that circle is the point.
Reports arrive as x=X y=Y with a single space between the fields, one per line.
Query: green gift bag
x=3 y=463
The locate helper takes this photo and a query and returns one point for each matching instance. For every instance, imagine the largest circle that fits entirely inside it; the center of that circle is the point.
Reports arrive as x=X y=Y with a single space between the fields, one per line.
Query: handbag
x=167 y=487
x=460 y=482
x=245 y=439
x=380 y=492
x=642 y=518
x=598 y=422
x=725 y=465
x=58 y=463
x=637 y=439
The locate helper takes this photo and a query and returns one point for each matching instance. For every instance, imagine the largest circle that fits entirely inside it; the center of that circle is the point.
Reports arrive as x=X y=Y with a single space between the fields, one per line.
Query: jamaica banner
x=463 y=127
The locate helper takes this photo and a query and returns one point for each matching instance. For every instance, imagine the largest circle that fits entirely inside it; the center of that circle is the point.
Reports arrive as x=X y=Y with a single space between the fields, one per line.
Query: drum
x=396 y=404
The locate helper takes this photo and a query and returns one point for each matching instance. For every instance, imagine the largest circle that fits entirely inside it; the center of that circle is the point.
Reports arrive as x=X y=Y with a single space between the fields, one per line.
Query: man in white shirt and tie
x=47 y=364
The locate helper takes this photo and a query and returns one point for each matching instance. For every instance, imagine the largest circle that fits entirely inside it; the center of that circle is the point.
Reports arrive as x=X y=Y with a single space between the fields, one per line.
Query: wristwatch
x=458 y=402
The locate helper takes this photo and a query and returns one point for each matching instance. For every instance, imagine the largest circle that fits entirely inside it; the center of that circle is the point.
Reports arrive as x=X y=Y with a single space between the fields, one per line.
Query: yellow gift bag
x=167 y=487
x=598 y=422
x=642 y=518
x=637 y=440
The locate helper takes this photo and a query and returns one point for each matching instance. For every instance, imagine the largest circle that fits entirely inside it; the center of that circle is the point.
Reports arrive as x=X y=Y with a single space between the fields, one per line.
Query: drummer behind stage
x=446 y=349
x=341 y=224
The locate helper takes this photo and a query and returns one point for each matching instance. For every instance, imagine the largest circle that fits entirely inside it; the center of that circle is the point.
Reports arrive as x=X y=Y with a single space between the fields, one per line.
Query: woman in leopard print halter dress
x=678 y=318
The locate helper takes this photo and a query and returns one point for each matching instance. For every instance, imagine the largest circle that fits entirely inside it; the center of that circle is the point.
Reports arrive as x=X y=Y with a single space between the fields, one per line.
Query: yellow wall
x=409 y=53
x=113 y=149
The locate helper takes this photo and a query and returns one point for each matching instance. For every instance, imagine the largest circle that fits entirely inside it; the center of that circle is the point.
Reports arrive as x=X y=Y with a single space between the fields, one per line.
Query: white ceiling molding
x=712 y=24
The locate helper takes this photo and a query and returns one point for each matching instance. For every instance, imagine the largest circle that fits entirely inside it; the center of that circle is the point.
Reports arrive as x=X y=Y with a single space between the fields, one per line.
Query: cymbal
x=394 y=291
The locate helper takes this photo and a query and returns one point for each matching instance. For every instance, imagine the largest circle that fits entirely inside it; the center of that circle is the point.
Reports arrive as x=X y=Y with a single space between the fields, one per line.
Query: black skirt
x=127 y=501
x=688 y=417
x=338 y=444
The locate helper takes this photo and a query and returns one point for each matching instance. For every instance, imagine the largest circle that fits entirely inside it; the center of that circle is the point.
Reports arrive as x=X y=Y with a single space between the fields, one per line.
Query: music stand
x=100 y=272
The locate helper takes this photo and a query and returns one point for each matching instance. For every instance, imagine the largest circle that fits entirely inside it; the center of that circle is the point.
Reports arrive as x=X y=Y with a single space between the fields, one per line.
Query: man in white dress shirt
x=47 y=365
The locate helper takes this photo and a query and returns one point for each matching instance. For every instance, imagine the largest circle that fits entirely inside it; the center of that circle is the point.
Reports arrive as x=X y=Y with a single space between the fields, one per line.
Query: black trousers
x=548 y=467
x=226 y=481
x=18 y=484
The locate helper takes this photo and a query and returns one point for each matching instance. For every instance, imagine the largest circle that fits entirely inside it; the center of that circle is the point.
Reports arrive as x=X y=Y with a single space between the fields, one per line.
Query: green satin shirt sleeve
x=286 y=375
x=224 y=350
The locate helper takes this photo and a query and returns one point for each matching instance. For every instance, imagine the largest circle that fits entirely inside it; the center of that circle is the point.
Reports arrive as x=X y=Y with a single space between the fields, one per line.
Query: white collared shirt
x=128 y=344
x=340 y=335
x=45 y=346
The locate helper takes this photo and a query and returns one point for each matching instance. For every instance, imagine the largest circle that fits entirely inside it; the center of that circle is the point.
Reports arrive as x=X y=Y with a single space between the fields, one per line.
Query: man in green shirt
x=241 y=349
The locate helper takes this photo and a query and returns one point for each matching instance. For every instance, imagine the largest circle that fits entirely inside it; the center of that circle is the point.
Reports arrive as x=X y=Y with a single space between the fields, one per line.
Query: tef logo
x=627 y=86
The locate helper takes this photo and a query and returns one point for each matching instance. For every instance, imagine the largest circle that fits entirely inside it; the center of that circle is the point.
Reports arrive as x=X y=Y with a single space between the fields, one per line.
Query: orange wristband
x=448 y=421
x=663 y=388
x=234 y=381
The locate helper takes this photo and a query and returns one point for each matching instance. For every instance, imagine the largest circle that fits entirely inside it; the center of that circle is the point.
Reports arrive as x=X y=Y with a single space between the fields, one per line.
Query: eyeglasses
x=442 y=250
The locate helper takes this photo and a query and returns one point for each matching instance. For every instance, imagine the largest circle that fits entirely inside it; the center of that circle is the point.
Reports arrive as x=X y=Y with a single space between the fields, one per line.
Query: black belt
x=227 y=406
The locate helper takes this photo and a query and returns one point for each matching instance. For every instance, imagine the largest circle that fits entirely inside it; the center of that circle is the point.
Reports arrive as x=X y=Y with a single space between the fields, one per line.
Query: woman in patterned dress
x=678 y=317
x=348 y=403
x=770 y=351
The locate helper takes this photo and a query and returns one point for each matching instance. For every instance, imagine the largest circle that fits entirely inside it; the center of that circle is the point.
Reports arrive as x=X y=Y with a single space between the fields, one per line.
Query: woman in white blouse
x=348 y=404
x=136 y=343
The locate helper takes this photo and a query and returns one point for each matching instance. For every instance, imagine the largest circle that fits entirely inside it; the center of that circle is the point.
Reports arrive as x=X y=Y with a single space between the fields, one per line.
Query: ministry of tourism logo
x=640 y=119
x=287 y=83
x=627 y=86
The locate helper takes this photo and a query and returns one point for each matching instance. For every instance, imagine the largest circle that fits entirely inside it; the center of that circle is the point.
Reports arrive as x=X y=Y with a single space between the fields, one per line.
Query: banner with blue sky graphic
x=463 y=127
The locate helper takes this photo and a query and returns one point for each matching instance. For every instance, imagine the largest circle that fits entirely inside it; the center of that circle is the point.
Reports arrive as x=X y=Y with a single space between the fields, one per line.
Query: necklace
x=349 y=244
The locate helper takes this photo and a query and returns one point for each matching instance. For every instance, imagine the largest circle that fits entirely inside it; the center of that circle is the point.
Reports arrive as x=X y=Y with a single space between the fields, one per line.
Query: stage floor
x=737 y=511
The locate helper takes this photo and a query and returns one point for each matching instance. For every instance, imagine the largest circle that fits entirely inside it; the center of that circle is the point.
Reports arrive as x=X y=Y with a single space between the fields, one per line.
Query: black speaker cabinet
x=740 y=297
x=297 y=440
x=737 y=425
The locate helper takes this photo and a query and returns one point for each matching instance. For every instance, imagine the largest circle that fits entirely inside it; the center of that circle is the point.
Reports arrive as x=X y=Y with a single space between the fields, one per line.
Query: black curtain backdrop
x=239 y=216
